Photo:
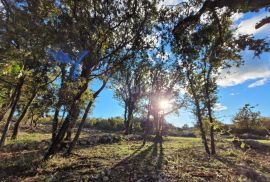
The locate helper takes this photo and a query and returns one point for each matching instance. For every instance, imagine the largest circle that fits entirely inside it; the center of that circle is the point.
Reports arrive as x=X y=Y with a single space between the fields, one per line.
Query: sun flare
x=164 y=104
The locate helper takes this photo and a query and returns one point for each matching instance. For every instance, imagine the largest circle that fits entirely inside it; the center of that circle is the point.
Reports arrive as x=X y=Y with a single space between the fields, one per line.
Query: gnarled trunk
x=74 y=141
x=77 y=135
x=209 y=109
x=55 y=120
x=6 y=106
x=203 y=136
x=69 y=130
x=198 y=112
x=58 y=104
x=212 y=136
x=72 y=116
x=125 y=118
x=13 y=108
x=3 y=111
x=129 y=119
x=16 y=126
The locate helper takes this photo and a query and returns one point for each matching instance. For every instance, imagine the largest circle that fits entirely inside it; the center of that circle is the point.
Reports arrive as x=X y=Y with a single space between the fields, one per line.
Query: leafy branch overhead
x=63 y=62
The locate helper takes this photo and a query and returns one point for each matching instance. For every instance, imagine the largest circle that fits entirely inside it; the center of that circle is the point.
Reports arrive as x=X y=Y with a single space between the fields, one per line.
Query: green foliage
x=246 y=117
x=142 y=72
x=110 y=124
x=248 y=121
x=260 y=130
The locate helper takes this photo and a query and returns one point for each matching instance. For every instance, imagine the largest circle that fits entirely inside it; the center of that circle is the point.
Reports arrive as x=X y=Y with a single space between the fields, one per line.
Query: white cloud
x=219 y=107
x=248 y=26
x=234 y=94
x=260 y=82
x=237 y=16
x=253 y=68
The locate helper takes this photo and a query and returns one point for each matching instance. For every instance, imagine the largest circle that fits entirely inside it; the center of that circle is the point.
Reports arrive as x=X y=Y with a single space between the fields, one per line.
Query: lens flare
x=164 y=104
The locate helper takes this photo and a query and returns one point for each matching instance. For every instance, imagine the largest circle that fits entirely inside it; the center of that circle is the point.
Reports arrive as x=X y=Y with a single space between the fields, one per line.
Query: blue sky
x=248 y=84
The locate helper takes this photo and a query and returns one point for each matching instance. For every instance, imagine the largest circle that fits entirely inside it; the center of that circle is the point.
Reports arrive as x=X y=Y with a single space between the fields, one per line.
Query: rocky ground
x=103 y=156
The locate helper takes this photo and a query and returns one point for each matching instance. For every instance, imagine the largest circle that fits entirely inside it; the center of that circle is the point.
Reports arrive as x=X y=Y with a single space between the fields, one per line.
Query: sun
x=164 y=104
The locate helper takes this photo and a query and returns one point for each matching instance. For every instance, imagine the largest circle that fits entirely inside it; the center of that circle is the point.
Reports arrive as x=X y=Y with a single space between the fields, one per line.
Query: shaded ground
x=176 y=159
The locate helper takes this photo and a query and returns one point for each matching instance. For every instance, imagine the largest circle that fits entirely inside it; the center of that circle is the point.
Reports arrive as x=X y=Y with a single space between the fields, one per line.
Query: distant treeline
x=245 y=129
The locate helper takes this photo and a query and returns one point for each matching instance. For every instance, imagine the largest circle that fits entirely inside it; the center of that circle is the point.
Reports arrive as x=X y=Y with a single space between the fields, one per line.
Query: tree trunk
x=209 y=108
x=198 y=112
x=6 y=106
x=203 y=136
x=55 y=120
x=73 y=114
x=13 y=108
x=211 y=120
x=131 y=126
x=16 y=126
x=160 y=127
x=74 y=141
x=58 y=104
x=145 y=132
x=125 y=118
x=32 y=119
x=212 y=136
x=127 y=123
x=157 y=122
x=69 y=130
x=129 y=120
x=63 y=115
x=4 y=110
x=160 y=122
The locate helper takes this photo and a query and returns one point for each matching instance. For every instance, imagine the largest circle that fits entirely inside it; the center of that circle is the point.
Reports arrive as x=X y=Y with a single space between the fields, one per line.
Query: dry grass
x=176 y=159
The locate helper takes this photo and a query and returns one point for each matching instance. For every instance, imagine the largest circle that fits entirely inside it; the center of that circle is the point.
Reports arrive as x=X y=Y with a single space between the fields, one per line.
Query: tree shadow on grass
x=145 y=165
x=19 y=164
x=245 y=170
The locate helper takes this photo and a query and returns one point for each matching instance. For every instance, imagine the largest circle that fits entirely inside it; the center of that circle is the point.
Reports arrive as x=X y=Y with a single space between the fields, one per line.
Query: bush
x=248 y=121
x=259 y=131
x=110 y=124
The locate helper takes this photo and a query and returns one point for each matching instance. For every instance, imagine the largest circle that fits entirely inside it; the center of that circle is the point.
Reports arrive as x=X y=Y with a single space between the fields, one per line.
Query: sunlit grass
x=180 y=157
x=261 y=141
x=24 y=137
x=264 y=141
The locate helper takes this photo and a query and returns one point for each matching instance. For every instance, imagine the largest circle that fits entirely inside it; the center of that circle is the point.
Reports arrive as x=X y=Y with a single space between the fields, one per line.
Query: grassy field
x=176 y=159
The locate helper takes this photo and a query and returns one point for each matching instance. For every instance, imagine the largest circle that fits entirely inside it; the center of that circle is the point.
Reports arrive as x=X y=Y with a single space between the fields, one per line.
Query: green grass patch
x=176 y=159
x=24 y=137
